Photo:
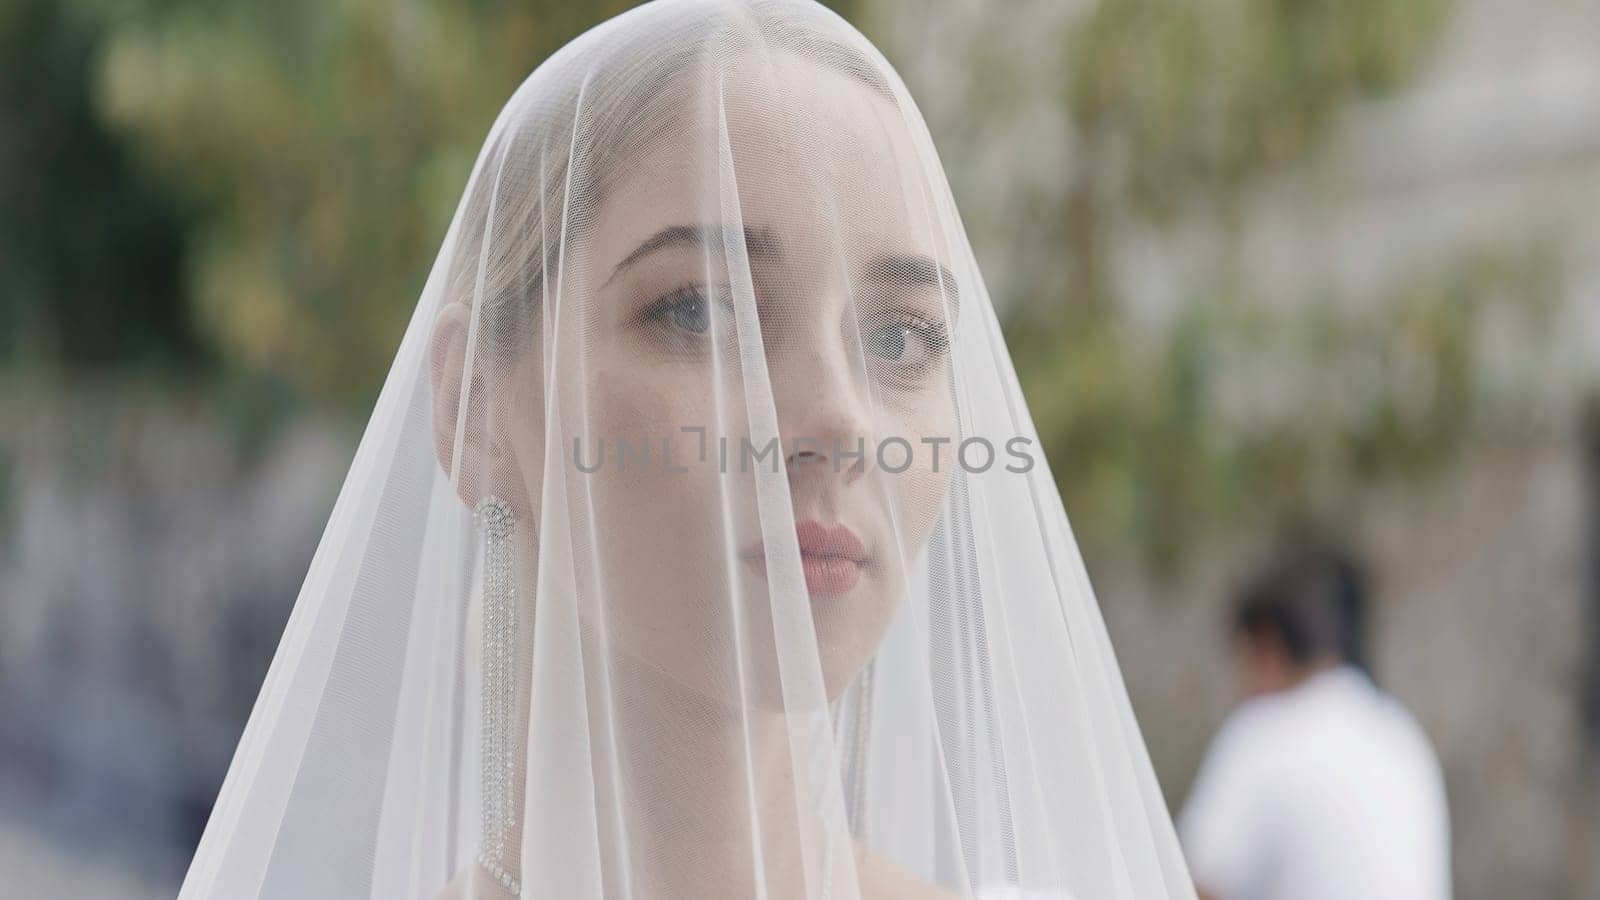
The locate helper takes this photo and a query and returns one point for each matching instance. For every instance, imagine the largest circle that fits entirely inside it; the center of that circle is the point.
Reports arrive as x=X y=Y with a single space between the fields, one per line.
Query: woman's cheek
x=931 y=430
x=646 y=402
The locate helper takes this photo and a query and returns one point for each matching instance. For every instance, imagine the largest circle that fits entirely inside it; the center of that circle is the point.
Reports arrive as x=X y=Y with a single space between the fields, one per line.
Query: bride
x=699 y=545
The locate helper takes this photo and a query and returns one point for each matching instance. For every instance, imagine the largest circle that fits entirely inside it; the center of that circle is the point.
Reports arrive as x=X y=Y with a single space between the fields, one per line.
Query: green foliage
x=90 y=248
x=1186 y=102
x=1250 y=412
x=328 y=143
x=1250 y=407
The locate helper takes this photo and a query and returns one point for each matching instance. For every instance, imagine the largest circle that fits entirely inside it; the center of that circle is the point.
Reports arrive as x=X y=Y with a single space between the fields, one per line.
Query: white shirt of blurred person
x=1318 y=786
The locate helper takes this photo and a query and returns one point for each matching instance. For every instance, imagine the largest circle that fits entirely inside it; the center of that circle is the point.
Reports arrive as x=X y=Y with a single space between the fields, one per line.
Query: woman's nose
x=823 y=411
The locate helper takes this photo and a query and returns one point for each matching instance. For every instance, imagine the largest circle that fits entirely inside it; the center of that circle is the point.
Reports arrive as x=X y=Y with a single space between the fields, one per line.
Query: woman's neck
x=712 y=798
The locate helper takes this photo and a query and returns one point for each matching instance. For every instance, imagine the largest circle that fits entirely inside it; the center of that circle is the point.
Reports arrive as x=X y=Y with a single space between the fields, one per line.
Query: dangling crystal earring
x=496 y=522
x=858 y=767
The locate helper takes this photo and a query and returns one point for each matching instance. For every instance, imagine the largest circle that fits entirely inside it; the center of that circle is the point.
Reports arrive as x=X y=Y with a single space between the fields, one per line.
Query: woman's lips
x=831 y=557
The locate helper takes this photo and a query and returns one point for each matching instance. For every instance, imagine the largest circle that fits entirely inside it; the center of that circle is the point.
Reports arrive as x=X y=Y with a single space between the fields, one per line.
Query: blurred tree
x=1182 y=111
x=1190 y=103
x=1245 y=404
x=90 y=247
x=330 y=143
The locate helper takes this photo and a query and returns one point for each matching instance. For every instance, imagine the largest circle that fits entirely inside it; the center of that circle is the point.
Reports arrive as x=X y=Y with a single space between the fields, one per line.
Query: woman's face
x=773 y=275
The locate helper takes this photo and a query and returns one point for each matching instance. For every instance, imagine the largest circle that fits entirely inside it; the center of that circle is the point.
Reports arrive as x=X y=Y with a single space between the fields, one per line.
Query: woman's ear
x=462 y=430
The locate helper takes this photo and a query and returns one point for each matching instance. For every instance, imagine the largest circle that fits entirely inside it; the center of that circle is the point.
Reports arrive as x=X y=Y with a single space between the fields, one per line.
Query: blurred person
x=1318 y=786
x=521 y=666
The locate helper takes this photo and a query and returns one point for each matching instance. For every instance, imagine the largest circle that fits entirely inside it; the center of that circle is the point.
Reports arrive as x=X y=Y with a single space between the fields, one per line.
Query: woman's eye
x=888 y=343
x=686 y=309
x=691 y=315
x=910 y=343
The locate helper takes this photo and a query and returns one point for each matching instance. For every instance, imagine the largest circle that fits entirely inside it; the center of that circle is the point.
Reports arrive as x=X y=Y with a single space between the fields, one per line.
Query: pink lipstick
x=831 y=557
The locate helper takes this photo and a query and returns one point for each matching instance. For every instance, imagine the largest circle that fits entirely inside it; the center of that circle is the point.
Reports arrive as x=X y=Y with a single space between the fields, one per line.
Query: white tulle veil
x=700 y=543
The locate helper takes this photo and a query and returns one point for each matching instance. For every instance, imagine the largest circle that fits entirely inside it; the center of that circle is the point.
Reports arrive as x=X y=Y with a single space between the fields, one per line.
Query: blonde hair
x=617 y=98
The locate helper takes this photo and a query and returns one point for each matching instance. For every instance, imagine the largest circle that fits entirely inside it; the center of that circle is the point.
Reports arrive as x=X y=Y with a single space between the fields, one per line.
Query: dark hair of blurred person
x=1304 y=613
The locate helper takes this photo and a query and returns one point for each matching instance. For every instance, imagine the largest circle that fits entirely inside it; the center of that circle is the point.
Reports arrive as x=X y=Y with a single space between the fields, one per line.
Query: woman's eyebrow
x=757 y=242
x=914 y=271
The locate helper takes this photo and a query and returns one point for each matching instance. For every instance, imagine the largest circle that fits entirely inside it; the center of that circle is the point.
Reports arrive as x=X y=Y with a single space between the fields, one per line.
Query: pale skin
x=651 y=342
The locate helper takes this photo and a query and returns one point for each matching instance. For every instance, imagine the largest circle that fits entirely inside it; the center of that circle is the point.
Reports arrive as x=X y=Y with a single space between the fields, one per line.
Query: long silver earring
x=858 y=768
x=496 y=522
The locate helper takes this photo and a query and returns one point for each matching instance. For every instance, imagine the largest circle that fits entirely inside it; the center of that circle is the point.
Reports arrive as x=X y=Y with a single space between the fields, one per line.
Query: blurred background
x=1264 y=265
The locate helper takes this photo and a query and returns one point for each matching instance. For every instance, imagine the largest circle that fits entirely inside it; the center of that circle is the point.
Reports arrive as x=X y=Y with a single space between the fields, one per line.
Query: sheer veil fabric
x=700 y=543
